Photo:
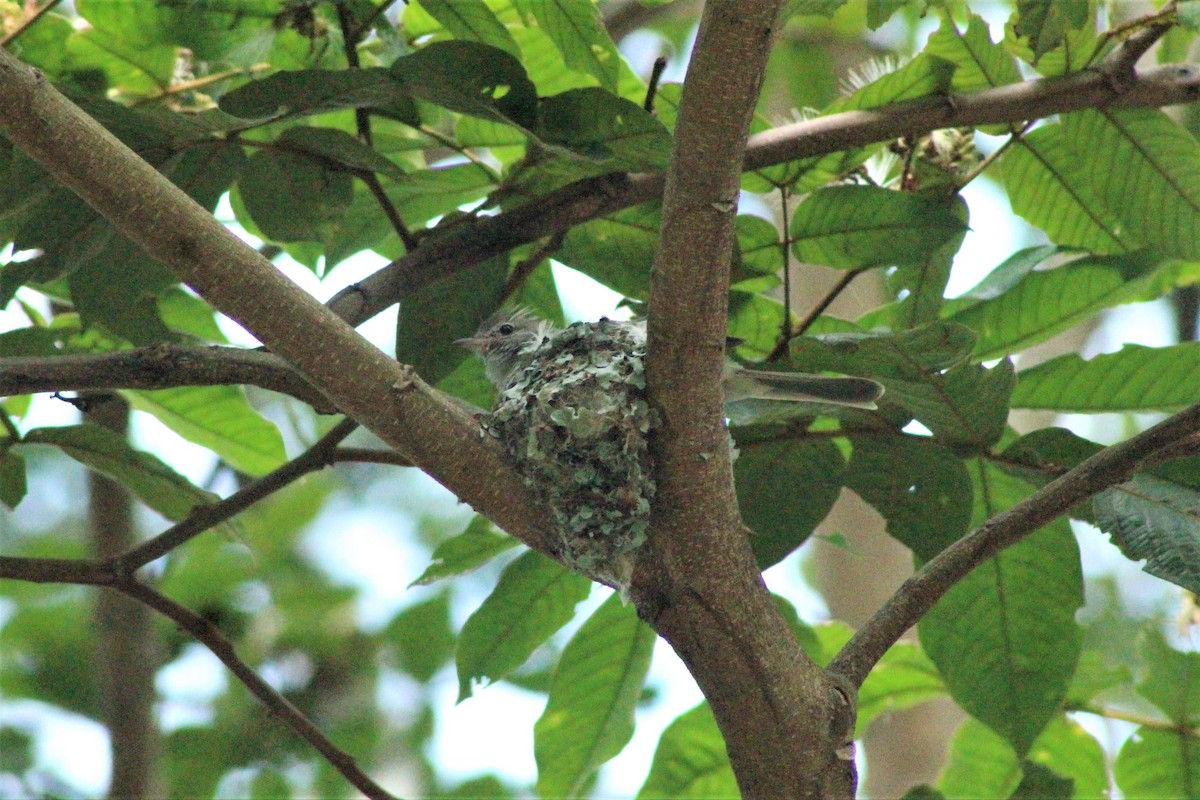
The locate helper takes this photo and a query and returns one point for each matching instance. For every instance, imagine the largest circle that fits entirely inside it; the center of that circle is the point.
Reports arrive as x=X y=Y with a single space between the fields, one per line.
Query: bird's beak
x=476 y=344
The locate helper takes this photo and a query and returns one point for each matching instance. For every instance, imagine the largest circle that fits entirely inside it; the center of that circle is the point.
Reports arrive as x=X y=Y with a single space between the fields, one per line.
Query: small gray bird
x=507 y=341
x=573 y=416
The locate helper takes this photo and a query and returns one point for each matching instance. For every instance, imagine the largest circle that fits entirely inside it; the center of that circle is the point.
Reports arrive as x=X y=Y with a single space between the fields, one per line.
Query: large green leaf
x=211 y=29
x=1135 y=378
x=534 y=598
x=148 y=478
x=1145 y=168
x=1044 y=303
x=616 y=250
x=471 y=78
x=1005 y=637
x=785 y=488
x=1156 y=763
x=1046 y=22
x=853 y=227
x=602 y=127
x=1048 y=185
x=313 y=91
x=690 y=762
x=293 y=196
x=922 y=76
x=979 y=63
x=1156 y=520
x=219 y=418
x=422 y=636
x=589 y=714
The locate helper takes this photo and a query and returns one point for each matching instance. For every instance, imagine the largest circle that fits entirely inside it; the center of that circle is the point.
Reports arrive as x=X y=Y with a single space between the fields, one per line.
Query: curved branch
x=464 y=244
x=161 y=366
x=918 y=594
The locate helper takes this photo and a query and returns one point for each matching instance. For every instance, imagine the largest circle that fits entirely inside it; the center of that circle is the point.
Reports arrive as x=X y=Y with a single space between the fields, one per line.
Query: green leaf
x=1005 y=637
x=1045 y=303
x=1073 y=753
x=339 y=148
x=907 y=355
x=589 y=714
x=616 y=250
x=471 y=78
x=1145 y=167
x=1156 y=520
x=148 y=478
x=1048 y=185
x=967 y=404
x=314 y=91
x=219 y=418
x=293 y=196
x=1046 y=22
x=690 y=762
x=472 y=20
x=785 y=488
x=421 y=196
x=980 y=764
x=602 y=127
x=920 y=488
x=213 y=31
x=578 y=32
x=422 y=636
x=469 y=550
x=434 y=316
x=534 y=598
x=1170 y=679
x=1134 y=378
x=855 y=227
x=979 y=63
x=12 y=477
x=1157 y=763
x=921 y=284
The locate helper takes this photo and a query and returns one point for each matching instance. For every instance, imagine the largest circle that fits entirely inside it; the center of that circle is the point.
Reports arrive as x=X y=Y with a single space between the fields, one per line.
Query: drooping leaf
x=148 y=478
x=979 y=63
x=979 y=762
x=314 y=91
x=534 y=598
x=12 y=477
x=903 y=678
x=471 y=78
x=589 y=714
x=294 y=197
x=422 y=636
x=219 y=418
x=606 y=128
x=1046 y=22
x=1042 y=783
x=1158 y=763
x=339 y=148
x=785 y=488
x=469 y=550
x=1005 y=637
x=922 y=76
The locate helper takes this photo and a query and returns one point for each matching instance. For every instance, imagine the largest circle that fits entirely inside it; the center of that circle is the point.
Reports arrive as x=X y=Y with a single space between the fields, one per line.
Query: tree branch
x=696 y=580
x=464 y=244
x=918 y=594
x=390 y=399
x=161 y=366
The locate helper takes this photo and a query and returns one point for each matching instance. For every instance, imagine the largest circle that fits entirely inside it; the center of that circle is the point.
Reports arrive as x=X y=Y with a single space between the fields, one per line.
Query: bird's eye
x=506 y=329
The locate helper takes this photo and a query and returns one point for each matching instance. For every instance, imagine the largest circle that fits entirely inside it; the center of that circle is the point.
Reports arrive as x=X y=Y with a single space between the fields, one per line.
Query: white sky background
x=370 y=547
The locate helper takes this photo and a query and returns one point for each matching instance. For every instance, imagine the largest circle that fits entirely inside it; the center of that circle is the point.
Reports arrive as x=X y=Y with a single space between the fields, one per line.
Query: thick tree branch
x=461 y=246
x=162 y=366
x=390 y=399
x=696 y=580
x=918 y=594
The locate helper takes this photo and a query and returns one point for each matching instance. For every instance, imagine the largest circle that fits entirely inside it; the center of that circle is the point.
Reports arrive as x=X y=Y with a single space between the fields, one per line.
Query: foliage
x=335 y=128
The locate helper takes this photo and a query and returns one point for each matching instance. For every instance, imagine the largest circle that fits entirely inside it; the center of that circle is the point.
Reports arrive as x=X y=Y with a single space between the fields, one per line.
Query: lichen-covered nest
x=575 y=421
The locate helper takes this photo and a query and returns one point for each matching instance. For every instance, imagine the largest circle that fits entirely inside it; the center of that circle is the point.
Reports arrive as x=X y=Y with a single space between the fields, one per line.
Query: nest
x=575 y=422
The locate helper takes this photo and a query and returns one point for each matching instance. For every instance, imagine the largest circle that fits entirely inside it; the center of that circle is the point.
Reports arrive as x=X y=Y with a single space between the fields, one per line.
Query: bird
x=572 y=414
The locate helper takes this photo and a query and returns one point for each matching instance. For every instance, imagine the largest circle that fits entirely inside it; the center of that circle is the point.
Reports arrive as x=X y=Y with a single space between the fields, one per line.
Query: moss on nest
x=575 y=421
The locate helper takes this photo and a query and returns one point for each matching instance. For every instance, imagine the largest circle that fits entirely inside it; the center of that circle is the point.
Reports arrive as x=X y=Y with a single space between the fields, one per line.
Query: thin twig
x=656 y=73
x=781 y=347
x=918 y=594
x=198 y=83
x=785 y=247
x=211 y=637
x=204 y=517
x=28 y=23
x=389 y=209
